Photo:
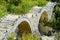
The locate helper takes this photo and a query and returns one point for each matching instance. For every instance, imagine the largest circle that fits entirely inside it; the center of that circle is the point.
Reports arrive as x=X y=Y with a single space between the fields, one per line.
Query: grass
x=28 y=36
x=11 y=36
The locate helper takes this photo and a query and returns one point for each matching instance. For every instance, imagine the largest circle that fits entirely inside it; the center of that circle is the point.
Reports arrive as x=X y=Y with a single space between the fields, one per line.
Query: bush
x=3 y=10
x=11 y=36
x=57 y=36
x=29 y=37
x=24 y=37
x=23 y=6
x=19 y=6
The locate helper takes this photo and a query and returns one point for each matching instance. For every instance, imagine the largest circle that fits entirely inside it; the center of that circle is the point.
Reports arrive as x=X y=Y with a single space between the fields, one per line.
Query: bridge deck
x=6 y=24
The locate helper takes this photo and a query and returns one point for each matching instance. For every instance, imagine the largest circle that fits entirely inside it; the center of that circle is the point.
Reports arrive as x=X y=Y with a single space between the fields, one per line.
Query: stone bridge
x=28 y=22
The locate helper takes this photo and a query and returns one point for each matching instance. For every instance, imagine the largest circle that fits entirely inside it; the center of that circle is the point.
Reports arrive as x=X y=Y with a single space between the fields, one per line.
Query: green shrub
x=24 y=37
x=11 y=36
x=19 y=6
x=57 y=36
x=3 y=10
x=29 y=37
x=23 y=5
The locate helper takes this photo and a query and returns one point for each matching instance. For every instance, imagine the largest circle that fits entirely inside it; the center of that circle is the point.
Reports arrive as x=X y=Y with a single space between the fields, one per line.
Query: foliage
x=57 y=36
x=54 y=24
x=56 y=21
x=57 y=17
x=54 y=0
x=20 y=6
x=11 y=36
x=3 y=10
x=24 y=37
x=29 y=37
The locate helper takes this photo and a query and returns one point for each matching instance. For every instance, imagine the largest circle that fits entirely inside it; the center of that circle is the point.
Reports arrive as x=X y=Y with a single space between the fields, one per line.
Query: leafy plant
x=11 y=36
x=57 y=36
x=3 y=10
x=19 y=6
x=29 y=37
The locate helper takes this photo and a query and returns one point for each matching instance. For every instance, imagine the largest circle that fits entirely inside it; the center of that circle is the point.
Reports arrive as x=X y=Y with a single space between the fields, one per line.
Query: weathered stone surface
x=9 y=22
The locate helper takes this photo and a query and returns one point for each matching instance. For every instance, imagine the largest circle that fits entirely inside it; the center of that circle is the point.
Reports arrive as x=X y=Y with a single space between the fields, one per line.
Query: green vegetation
x=24 y=37
x=57 y=36
x=18 y=6
x=55 y=23
x=29 y=37
x=11 y=36
x=3 y=10
x=23 y=7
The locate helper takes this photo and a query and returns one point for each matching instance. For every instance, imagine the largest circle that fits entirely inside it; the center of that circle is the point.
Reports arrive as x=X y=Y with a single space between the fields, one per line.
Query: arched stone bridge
x=10 y=23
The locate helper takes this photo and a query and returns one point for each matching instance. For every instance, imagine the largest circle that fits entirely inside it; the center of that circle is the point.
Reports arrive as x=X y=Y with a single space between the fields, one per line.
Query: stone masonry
x=9 y=22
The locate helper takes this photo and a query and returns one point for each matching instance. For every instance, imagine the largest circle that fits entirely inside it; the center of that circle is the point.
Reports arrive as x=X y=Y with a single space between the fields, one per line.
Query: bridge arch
x=22 y=25
x=42 y=17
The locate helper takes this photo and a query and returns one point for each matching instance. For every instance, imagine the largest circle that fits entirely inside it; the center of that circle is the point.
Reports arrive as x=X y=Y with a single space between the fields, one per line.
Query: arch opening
x=23 y=28
x=43 y=19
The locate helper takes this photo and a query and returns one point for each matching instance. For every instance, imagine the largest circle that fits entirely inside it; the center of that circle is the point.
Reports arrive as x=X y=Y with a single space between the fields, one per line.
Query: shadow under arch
x=23 y=28
x=43 y=18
